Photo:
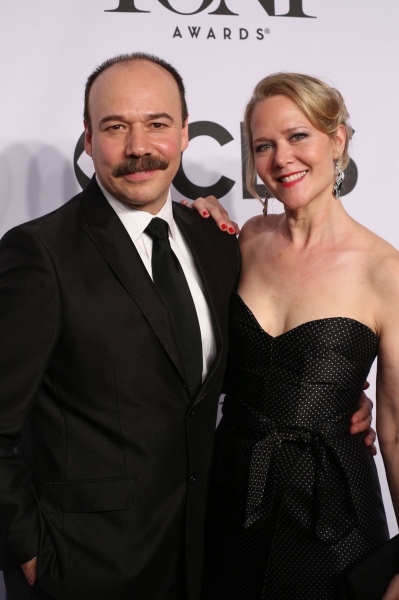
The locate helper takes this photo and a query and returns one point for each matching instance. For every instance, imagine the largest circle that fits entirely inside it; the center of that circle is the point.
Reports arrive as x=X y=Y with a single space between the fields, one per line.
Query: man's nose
x=137 y=143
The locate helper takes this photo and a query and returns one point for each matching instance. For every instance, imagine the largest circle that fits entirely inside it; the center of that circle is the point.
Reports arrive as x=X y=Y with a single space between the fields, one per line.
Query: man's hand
x=362 y=418
x=29 y=570
x=211 y=207
x=392 y=592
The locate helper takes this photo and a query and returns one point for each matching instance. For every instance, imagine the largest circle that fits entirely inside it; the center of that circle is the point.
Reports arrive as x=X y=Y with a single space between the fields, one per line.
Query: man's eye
x=157 y=125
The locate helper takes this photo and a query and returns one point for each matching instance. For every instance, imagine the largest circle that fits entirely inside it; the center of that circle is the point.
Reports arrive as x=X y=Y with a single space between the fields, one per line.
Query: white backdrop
x=48 y=48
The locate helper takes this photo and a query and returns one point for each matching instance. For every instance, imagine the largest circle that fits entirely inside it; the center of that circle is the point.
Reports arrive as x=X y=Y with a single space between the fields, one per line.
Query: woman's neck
x=319 y=222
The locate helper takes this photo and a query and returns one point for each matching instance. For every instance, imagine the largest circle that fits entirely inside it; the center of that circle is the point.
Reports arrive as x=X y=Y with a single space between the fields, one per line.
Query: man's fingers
x=30 y=579
x=369 y=440
x=363 y=412
x=29 y=570
x=392 y=592
x=370 y=437
x=361 y=421
x=366 y=385
x=362 y=425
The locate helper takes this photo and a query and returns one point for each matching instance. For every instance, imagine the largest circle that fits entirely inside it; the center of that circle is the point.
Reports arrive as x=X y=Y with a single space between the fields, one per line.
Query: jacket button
x=192 y=479
x=191 y=413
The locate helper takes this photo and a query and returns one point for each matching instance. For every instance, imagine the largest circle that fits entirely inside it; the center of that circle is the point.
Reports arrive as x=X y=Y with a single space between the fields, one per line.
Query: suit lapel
x=111 y=239
x=202 y=252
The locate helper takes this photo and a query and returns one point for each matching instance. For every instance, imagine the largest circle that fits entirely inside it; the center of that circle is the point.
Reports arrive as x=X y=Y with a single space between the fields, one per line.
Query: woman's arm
x=388 y=374
x=388 y=391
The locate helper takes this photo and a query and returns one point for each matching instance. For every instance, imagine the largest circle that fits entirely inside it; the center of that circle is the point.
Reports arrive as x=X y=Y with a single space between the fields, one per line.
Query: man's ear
x=184 y=139
x=88 y=139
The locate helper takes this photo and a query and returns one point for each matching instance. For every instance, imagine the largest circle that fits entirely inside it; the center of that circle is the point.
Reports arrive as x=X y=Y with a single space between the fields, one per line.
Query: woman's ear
x=340 y=139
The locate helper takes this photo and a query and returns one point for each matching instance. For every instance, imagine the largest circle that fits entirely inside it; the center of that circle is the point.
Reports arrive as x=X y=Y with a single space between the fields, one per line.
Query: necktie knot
x=158 y=229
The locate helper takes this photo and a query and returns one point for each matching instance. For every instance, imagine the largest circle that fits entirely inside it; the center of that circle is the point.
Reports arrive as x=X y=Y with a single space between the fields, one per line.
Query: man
x=111 y=380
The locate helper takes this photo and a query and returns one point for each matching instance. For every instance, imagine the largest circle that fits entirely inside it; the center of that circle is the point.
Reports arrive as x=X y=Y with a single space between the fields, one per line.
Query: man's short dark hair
x=127 y=58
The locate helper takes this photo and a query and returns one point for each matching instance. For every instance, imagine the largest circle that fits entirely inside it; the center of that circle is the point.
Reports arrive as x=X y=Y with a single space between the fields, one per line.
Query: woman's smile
x=289 y=149
x=292 y=178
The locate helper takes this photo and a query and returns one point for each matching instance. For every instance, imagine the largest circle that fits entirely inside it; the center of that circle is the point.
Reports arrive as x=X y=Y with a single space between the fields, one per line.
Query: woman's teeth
x=293 y=177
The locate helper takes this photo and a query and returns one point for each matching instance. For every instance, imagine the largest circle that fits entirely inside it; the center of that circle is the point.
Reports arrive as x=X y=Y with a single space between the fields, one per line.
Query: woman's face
x=293 y=158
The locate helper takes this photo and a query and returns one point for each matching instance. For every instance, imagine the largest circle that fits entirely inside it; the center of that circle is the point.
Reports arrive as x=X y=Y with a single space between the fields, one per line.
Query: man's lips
x=140 y=175
x=291 y=179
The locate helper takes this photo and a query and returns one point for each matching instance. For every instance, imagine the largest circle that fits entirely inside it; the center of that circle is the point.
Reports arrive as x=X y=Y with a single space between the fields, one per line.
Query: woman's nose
x=282 y=155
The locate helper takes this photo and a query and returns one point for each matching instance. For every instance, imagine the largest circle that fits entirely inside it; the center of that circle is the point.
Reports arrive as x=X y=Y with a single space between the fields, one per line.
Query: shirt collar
x=135 y=221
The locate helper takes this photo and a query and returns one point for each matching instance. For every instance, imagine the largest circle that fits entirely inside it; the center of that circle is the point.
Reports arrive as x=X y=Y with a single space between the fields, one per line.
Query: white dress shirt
x=135 y=221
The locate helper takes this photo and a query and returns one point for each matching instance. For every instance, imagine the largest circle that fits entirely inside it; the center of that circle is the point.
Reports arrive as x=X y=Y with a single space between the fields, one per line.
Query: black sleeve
x=30 y=313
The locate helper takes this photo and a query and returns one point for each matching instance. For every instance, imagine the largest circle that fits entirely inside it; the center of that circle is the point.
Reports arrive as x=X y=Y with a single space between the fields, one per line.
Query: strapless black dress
x=294 y=498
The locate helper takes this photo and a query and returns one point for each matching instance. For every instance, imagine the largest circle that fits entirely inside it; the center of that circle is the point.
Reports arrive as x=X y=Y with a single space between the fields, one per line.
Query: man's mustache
x=138 y=165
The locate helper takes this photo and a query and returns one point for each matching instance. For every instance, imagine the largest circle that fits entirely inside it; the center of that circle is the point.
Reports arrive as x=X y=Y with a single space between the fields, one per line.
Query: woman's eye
x=299 y=136
x=263 y=147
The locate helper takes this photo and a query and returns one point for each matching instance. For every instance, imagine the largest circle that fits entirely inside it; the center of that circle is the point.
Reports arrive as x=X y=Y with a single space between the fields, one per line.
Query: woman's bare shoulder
x=385 y=266
x=383 y=270
x=259 y=225
x=376 y=246
x=382 y=260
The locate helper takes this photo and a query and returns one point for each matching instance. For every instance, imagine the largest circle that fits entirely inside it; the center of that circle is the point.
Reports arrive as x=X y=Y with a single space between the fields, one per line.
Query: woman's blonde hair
x=323 y=105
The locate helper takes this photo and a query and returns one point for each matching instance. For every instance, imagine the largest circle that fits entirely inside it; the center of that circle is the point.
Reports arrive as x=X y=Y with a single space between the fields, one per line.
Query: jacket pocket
x=94 y=495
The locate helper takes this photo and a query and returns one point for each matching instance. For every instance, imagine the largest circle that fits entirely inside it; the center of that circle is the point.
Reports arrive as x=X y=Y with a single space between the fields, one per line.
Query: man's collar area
x=137 y=220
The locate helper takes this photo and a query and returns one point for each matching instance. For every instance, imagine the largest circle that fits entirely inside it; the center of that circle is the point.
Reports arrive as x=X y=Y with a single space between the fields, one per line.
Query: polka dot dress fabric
x=294 y=498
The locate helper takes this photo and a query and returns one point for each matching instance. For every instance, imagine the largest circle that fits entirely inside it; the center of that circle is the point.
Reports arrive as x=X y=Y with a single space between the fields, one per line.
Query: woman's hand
x=211 y=207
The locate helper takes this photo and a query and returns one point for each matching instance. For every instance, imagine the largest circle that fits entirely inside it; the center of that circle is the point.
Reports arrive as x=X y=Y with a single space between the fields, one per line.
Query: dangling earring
x=265 y=202
x=339 y=177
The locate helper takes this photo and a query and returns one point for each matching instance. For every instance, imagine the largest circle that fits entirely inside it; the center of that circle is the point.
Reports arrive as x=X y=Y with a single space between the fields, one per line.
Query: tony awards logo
x=219 y=7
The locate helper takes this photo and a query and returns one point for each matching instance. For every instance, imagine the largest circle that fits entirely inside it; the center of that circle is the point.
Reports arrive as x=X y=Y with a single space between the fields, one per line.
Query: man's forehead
x=140 y=86
x=142 y=73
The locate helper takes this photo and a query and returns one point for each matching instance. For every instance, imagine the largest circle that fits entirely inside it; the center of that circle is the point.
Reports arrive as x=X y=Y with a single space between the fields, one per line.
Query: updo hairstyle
x=323 y=105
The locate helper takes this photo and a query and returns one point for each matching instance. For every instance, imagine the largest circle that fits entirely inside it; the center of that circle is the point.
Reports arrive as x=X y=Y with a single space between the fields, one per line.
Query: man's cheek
x=170 y=149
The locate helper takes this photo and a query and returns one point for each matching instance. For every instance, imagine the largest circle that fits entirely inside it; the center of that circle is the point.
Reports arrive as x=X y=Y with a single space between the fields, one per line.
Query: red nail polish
x=224 y=226
x=205 y=213
x=231 y=230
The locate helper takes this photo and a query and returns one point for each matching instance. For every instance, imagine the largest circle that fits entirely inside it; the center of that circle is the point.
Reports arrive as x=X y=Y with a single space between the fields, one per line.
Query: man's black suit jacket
x=117 y=454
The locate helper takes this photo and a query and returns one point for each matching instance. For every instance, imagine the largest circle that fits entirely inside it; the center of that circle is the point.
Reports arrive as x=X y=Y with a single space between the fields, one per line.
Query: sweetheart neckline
x=275 y=337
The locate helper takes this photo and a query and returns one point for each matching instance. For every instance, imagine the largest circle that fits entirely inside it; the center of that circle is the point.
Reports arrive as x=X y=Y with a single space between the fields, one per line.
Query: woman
x=294 y=499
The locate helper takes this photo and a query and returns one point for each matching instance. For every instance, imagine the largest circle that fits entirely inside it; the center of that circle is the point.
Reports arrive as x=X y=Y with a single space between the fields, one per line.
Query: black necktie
x=173 y=288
